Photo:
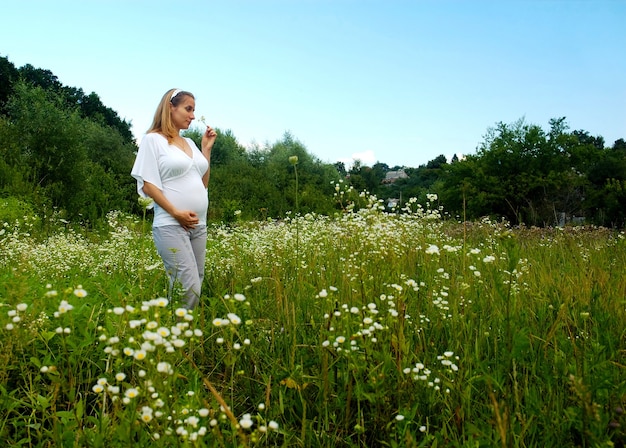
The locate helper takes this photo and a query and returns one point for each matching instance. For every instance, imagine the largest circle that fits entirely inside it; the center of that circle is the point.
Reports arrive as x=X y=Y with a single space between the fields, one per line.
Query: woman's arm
x=208 y=139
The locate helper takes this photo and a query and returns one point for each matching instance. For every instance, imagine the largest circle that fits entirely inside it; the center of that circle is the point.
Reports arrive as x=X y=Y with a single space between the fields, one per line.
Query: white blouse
x=173 y=172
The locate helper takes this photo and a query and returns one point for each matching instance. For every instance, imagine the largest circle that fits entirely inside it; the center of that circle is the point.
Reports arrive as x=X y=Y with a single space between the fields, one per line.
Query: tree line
x=64 y=152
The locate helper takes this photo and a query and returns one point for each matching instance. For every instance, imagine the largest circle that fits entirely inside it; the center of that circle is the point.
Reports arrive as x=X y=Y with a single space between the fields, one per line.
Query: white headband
x=174 y=93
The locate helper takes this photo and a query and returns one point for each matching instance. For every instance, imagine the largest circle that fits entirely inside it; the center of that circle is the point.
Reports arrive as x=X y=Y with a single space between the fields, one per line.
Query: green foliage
x=527 y=175
x=261 y=182
x=14 y=210
x=55 y=159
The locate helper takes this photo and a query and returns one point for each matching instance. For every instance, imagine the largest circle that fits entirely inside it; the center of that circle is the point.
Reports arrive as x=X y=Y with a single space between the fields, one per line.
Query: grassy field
x=366 y=329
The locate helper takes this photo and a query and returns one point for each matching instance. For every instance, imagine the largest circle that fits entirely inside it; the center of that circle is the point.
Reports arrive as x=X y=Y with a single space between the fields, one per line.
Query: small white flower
x=193 y=421
x=246 y=422
x=164 y=367
x=234 y=319
x=131 y=393
x=432 y=250
x=64 y=307
x=219 y=322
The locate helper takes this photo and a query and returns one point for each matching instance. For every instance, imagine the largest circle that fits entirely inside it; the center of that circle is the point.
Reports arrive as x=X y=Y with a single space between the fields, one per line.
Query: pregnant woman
x=172 y=171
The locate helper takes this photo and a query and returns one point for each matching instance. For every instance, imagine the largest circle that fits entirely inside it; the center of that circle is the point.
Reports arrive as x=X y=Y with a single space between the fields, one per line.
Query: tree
x=522 y=173
x=8 y=77
x=341 y=168
x=70 y=162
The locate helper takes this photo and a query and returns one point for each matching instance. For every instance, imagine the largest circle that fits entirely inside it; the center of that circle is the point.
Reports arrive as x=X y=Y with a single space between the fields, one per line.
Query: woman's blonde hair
x=162 y=122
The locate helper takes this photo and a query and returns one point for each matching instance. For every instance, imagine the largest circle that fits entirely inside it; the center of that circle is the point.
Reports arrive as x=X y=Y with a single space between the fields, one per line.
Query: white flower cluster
x=368 y=326
x=420 y=372
x=14 y=314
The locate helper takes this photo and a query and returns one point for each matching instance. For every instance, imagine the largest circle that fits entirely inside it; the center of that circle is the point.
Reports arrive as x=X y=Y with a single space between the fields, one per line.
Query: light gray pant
x=183 y=253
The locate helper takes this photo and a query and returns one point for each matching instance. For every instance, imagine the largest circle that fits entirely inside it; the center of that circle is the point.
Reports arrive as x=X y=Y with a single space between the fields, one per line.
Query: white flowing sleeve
x=146 y=167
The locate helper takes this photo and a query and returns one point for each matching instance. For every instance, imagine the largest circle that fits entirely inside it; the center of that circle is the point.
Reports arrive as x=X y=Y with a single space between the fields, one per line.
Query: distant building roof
x=392 y=176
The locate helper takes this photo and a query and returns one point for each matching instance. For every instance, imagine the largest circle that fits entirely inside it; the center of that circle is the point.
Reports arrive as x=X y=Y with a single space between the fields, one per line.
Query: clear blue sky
x=399 y=82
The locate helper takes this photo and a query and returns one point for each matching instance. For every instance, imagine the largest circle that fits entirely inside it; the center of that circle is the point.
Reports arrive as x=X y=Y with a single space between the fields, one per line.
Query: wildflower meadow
x=370 y=328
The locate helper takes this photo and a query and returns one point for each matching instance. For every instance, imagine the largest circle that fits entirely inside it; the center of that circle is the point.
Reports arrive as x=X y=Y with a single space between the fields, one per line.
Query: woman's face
x=182 y=115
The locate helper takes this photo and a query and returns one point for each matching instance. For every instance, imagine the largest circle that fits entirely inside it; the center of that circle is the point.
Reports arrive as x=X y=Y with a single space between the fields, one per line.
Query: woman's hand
x=187 y=219
x=208 y=138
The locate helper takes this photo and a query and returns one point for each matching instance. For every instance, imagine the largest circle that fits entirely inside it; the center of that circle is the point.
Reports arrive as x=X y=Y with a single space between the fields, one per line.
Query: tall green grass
x=364 y=329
